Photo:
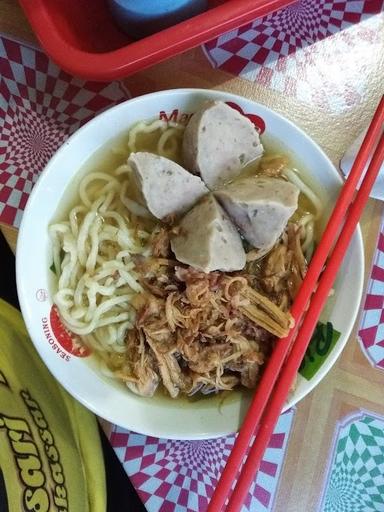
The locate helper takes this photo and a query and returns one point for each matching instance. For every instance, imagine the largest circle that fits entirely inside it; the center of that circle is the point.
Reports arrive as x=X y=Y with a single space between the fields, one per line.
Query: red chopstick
x=300 y=345
x=271 y=372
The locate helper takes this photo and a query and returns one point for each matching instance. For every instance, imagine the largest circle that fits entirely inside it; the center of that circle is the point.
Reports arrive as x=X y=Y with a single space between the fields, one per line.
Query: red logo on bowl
x=255 y=119
x=68 y=341
x=177 y=116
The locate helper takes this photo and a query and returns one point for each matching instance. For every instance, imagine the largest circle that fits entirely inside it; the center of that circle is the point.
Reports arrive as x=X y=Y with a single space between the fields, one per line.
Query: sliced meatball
x=166 y=188
x=218 y=141
x=260 y=206
x=208 y=240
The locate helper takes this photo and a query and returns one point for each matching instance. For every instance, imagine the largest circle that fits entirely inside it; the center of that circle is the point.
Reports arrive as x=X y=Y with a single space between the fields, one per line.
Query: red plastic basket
x=81 y=37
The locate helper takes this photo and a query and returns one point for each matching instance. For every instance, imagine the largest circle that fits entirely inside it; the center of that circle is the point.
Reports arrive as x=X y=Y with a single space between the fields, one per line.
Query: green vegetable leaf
x=322 y=342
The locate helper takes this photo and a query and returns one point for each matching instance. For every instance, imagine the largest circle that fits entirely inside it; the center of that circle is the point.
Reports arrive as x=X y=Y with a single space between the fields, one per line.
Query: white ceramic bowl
x=160 y=417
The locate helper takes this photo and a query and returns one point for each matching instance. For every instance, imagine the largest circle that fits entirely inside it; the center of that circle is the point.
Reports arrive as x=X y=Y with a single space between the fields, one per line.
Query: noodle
x=292 y=176
x=165 y=138
x=132 y=206
x=144 y=128
x=96 y=277
x=85 y=199
x=307 y=222
x=122 y=169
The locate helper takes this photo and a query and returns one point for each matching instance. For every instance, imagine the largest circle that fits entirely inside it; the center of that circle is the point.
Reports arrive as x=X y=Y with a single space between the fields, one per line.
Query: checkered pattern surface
x=355 y=480
x=40 y=106
x=179 y=476
x=371 y=332
x=281 y=52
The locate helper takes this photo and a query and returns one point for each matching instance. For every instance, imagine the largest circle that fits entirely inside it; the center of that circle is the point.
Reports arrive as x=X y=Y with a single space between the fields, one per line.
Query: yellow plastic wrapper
x=50 y=451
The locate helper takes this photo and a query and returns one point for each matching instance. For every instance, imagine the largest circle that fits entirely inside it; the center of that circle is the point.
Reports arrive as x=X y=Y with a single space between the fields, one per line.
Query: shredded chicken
x=138 y=370
x=161 y=245
x=285 y=268
x=280 y=274
x=197 y=332
x=266 y=314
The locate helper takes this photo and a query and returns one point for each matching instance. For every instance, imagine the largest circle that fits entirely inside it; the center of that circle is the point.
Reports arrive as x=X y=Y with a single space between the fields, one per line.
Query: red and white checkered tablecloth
x=40 y=107
x=317 y=51
x=313 y=51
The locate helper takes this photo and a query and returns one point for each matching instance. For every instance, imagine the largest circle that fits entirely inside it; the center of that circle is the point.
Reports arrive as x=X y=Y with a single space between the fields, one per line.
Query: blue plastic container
x=140 y=18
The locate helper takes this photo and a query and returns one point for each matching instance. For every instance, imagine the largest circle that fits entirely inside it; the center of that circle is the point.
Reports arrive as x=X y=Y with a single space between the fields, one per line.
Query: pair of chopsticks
x=281 y=370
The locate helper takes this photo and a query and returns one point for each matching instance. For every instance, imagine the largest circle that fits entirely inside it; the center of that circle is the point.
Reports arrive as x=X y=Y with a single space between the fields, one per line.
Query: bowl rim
x=23 y=235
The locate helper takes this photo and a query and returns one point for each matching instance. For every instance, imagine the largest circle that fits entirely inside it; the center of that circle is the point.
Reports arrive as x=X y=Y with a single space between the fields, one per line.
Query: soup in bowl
x=161 y=250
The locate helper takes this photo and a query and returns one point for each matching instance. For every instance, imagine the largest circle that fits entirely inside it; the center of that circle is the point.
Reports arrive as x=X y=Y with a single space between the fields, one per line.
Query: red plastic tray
x=81 y=37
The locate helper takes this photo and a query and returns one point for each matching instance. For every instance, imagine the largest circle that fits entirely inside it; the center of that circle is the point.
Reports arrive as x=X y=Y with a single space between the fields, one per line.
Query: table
x=352 y=393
